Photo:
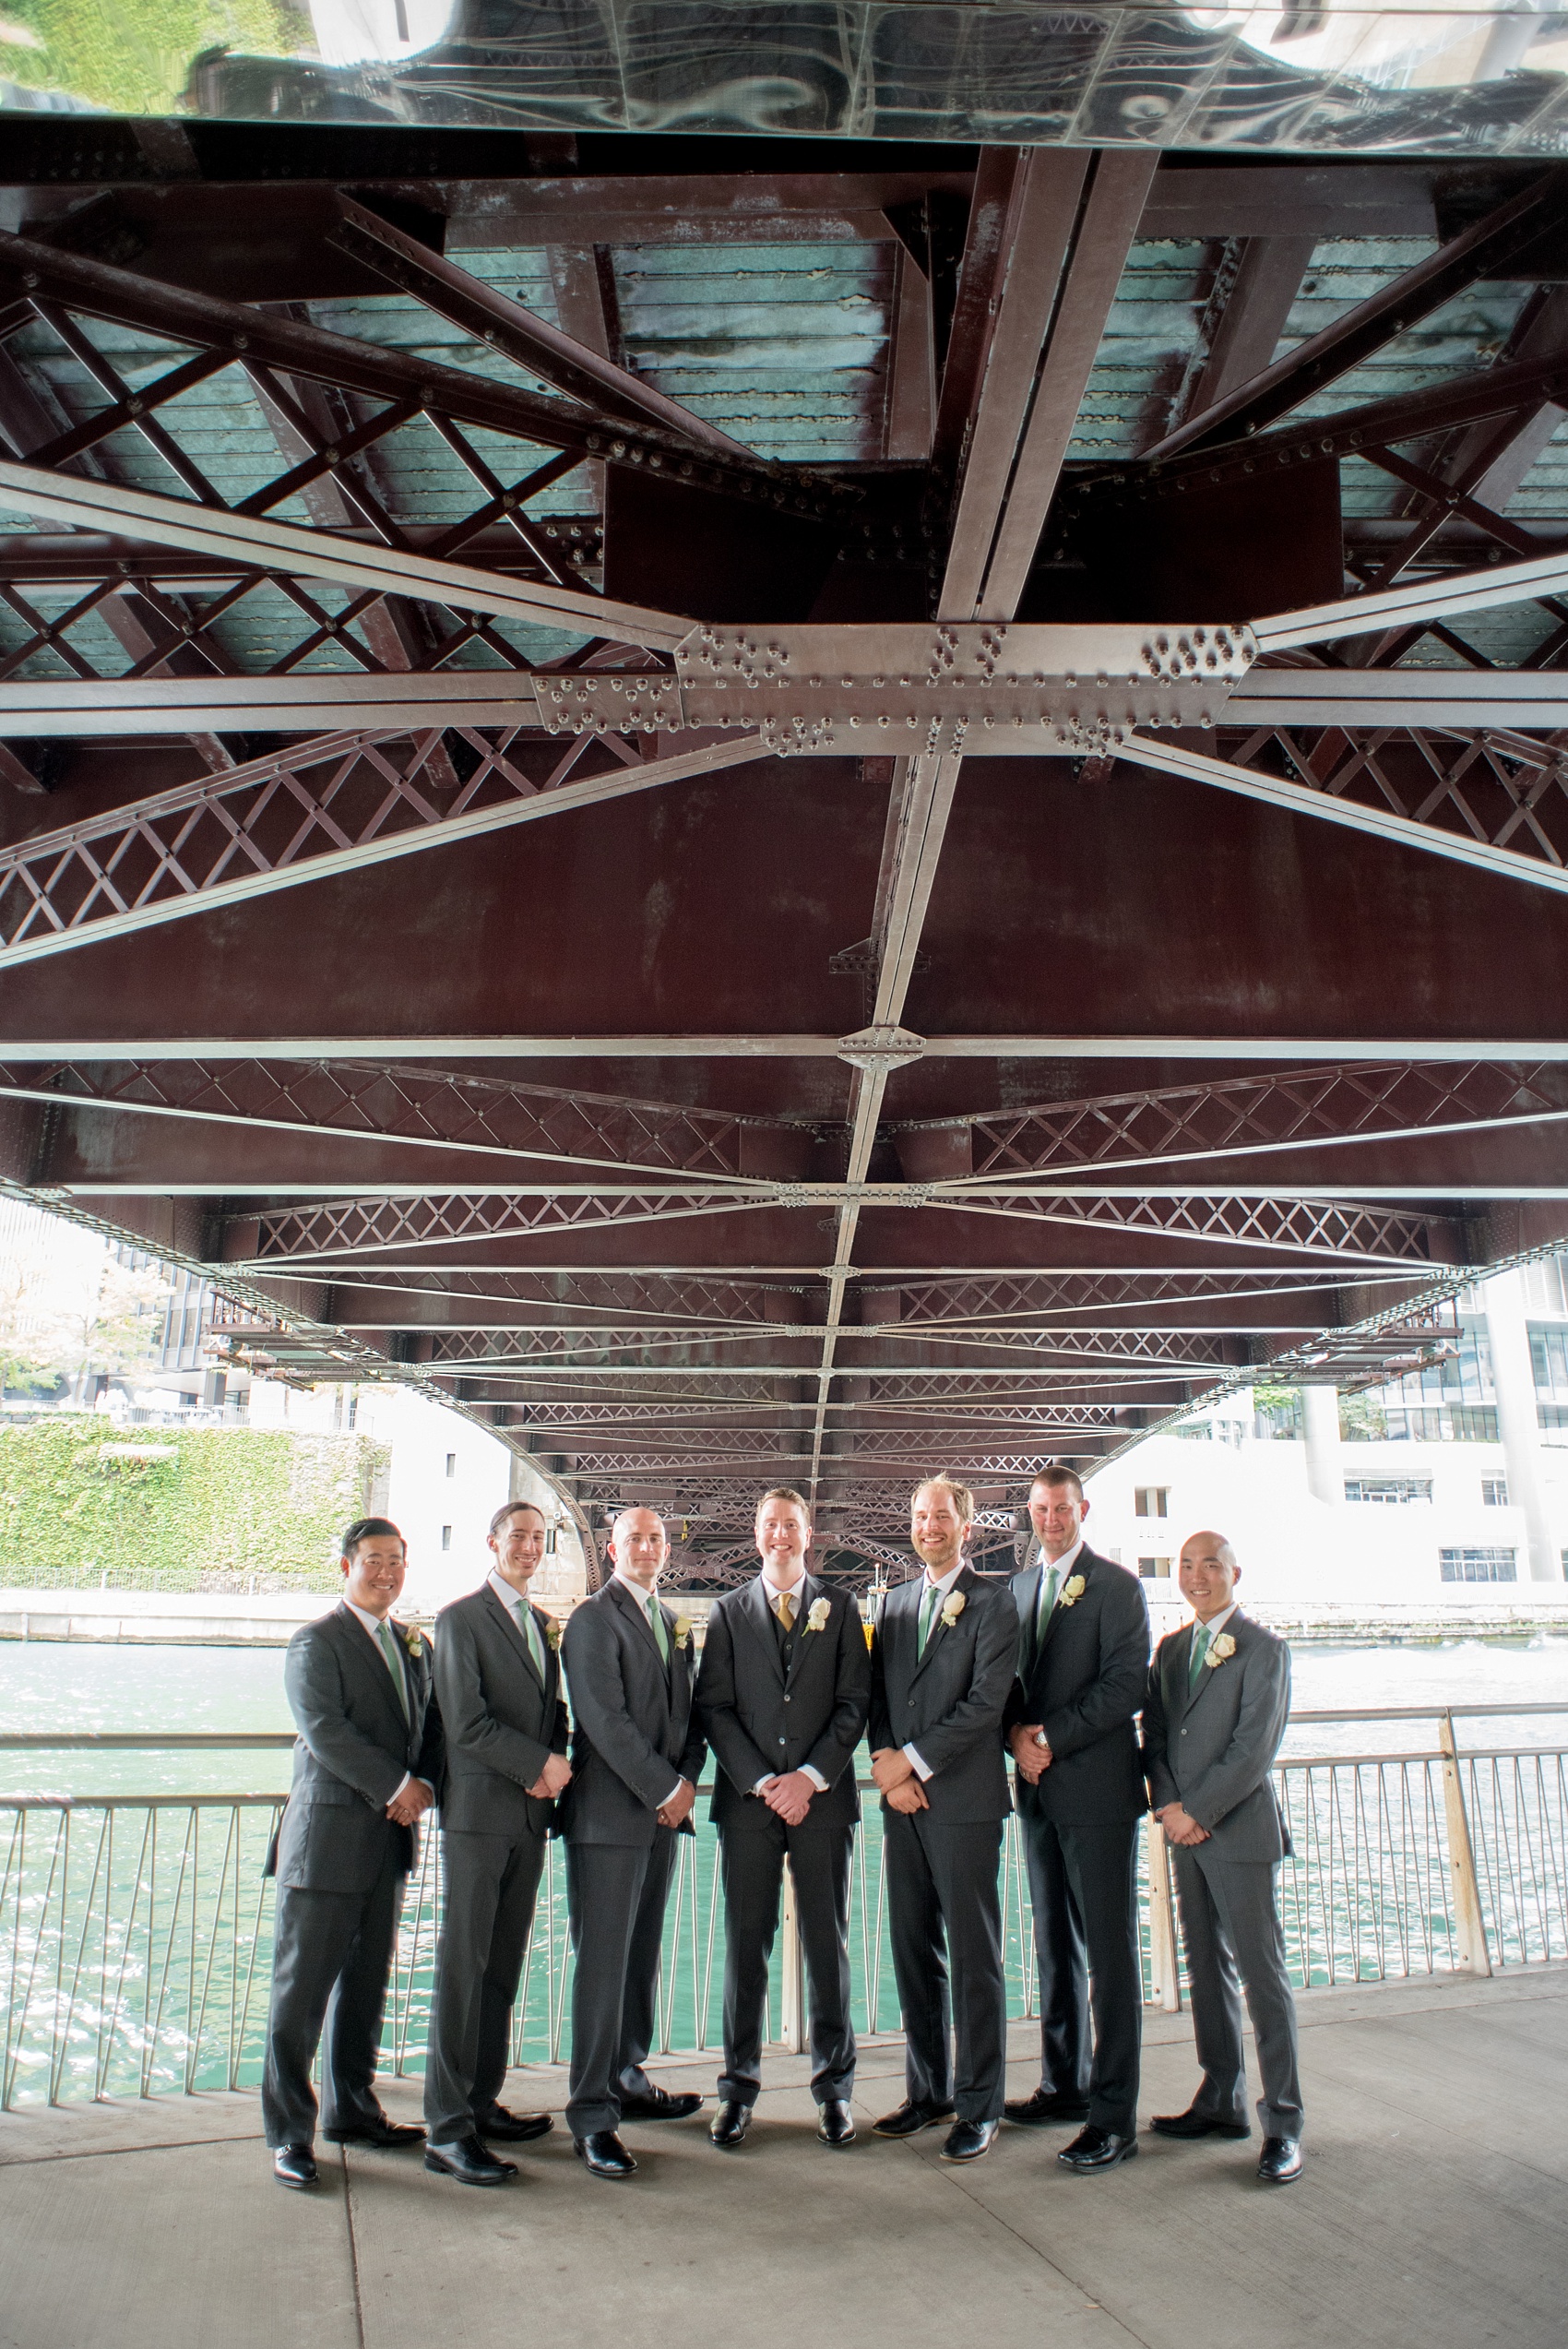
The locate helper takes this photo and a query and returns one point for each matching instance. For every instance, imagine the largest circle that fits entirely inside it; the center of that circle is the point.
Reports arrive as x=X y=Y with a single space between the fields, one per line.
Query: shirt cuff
x=407 y=1780
x=815 y=1776
x=672 y=1794
x=766 y=1779
x=920 y=1768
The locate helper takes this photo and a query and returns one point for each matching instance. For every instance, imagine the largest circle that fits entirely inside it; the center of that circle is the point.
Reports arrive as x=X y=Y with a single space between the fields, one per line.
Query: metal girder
x=1420 y=602
x=494 y=318
x=1244 y=1117
x=1311 y=797
x=691 y=1299
x=334 y=805
x=1314 y=1226
x=429 y=1109
x=257 y=545
x=1255 y=287
x=43 y=275
x=338 y=1230
x=1512 y=227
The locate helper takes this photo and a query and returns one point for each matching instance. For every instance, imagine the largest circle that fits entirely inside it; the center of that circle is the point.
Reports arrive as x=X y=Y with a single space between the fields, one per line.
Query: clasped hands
x=1180 y=1825
x=409 y=1803
x=672 y=1813
x=1030 y=1751
x=894 y=1775
x=553 y=1780
x=788 y=1794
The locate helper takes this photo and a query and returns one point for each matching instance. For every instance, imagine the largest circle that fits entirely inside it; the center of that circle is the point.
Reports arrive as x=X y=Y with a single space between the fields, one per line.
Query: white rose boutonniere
x=1072 y=1593
x=1221 y=1648
x=411 y=1640
x=553 y=1631
x=818 y=1614
x=682 y=1630
x=953 y=1607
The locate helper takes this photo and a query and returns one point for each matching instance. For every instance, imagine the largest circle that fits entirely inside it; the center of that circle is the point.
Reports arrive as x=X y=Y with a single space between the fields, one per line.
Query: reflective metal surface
x=1314 y=78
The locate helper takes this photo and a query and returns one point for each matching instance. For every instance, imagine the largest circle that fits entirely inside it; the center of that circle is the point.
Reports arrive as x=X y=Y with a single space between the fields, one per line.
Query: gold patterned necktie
x=786 y=1609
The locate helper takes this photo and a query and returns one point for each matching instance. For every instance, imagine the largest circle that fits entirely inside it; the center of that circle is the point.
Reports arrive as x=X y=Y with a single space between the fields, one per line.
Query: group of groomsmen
x=1049 y=1670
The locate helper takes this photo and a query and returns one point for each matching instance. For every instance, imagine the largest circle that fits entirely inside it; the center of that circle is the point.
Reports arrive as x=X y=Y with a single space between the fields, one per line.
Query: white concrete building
x=1450 y=1485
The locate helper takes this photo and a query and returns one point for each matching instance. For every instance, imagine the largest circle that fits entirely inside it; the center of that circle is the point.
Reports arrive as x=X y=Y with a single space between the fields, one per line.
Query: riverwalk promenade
x=1433 y=2211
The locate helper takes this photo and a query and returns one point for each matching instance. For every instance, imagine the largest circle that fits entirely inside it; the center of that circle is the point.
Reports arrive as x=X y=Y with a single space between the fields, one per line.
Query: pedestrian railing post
x=1166 y=1980
x=1471 y=1951
x=793 y=1998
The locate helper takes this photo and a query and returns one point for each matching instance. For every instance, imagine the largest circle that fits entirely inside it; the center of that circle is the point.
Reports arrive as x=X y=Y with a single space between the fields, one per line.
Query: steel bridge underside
x=783 y=826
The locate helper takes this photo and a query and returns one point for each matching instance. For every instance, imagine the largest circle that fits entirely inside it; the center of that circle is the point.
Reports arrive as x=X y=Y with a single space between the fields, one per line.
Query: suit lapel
x=1206 y=1674
x=632 y=1606
x=513 y=1634
x=938 y=1628
x=807 y=1593
x=364 y=1655
x=1082 y=1564
x=758 y=1617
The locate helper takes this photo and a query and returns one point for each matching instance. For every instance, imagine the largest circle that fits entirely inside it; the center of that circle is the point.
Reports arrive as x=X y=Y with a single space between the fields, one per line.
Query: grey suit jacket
x=948 y=1704
x=1084 y=1687
x=635 y=1728
x=354 y=1750
x=758 y=1720
x=1212 y=1748
x=502 y=1721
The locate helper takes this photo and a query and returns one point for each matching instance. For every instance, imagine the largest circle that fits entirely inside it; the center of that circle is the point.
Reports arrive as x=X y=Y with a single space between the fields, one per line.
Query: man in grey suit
x=941 y=1667
x=636 y=1755
x=1217 y=1704
x=783 y=1692
x=498 y=1684
x=1083 y=1663
x=367 y=1766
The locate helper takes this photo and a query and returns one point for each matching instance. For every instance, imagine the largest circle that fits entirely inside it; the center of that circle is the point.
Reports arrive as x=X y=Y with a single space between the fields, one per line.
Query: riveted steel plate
x=608 y=702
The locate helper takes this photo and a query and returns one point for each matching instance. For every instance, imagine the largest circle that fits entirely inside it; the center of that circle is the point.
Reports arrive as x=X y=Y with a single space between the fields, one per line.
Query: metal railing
x=136 y=1930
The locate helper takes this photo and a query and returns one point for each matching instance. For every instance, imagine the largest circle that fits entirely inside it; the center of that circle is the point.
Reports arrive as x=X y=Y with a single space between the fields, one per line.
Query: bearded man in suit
x=367 y=1766
x=1083 y=1664
x=783 y=1693
x=1215 y=1715
x=498 y=1684
x=637 y=1753
x=942 y=1666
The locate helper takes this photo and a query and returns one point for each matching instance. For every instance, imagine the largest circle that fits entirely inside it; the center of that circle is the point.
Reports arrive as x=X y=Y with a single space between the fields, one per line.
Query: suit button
x=781 y=1741
x=1184 y=1733
x=786 y=1699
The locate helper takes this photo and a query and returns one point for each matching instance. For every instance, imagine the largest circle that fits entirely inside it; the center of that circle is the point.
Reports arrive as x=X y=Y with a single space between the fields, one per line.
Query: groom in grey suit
x=498 y=1682
x=1217 y=1704
x=368 y=1764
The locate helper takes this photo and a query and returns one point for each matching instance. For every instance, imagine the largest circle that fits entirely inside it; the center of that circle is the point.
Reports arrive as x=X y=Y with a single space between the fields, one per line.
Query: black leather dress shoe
x=968 y=2140
x=604 y=2153
x=909 y=2119
x=730 y=2124
x=1046 y=2105
x=1097 y=2149
x=1192 y=2123
x=1281 y=2161
x=836 y=2125
x=295 y=2166
x=470 y=2162
x=658 y=2105
x=512 y=2129
x=391 y=2135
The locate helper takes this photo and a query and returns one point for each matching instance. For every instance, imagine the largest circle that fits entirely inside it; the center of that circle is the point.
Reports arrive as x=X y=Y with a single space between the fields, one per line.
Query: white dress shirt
x=515 y=1602
x=944 y=1585
x=373 y=1624
x=773 y=1592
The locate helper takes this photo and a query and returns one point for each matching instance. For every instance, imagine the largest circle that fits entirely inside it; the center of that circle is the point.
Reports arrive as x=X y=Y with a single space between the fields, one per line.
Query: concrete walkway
x=1434 y=2212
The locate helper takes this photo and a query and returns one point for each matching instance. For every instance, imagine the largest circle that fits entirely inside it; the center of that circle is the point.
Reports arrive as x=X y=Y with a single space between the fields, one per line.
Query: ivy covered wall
x=208 y=1508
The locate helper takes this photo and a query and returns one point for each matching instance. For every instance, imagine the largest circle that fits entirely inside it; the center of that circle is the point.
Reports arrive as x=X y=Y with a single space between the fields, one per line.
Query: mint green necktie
x=386 y=1639
x=929 y=1600
x=523 y=1616
x=1047 y=1601
x=1200 y=1650
x=660 y=1632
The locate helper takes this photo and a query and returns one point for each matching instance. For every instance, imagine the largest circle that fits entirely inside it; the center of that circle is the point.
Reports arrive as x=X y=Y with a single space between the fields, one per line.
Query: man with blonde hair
x=783 y=1693
x=941 y=1668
